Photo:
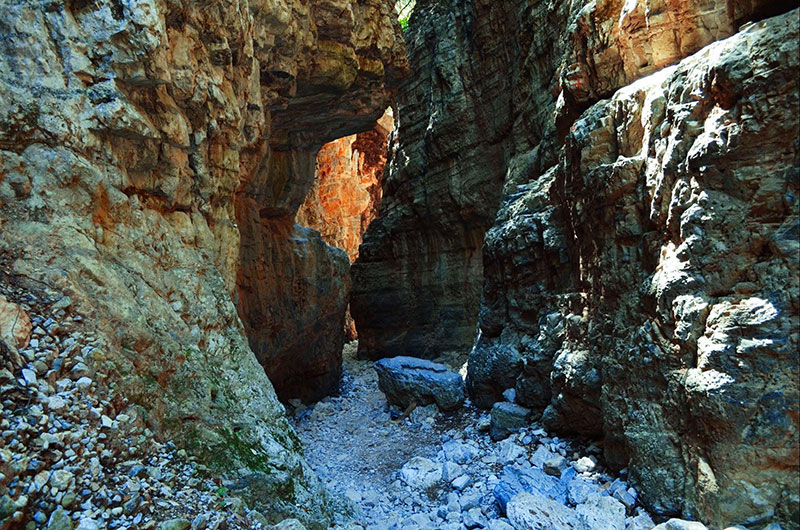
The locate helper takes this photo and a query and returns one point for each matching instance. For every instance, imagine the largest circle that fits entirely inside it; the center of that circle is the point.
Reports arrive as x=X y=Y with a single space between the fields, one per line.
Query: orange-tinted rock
x=346 y=192
x=15 y=324
x=292 y=289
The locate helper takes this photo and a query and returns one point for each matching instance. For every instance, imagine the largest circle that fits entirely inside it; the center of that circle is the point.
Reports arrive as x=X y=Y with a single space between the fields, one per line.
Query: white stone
x=60 y=479
x=680 y=524
x=421 y=473
x=29 y=376
x=451 y=471
x=461 y=482
x=585 y=464
x=56 y=403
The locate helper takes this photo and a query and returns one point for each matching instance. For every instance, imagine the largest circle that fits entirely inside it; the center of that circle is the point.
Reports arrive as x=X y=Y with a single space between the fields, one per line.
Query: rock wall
x=140 y=144
x=343 y=201
x=642 y=290
x=292 y=289
x=638 y=281
x=417 y=280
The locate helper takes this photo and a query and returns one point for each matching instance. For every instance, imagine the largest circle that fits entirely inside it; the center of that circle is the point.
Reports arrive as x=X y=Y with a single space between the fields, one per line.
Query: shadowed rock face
x=417 y=280
x=637 y=279
x=152 y=157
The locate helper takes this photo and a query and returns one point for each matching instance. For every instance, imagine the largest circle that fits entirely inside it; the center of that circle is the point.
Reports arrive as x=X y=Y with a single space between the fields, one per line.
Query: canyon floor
x=432 y=470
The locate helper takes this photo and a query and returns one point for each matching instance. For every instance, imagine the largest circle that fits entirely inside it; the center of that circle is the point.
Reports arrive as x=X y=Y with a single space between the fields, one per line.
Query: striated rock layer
x=417 y=279
x=140 y=144
x=640 y=278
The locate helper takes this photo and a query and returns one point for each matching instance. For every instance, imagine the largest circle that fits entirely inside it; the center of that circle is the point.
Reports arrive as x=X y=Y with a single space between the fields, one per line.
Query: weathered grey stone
x=555 y=465
x=518 y=479
x=474 y=519
x=579 y=491
x=641 y=521
x=461 y=482
x=421 y=473
x=533 y=511
x=508 y=418
x=459 y=452
x=175 y=524
x=602 y=512
x=289 y=524
x=59 y=520
x=407 y=380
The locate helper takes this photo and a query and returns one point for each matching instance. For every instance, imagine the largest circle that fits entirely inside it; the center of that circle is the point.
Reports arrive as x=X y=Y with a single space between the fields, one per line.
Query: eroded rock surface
x=669 y=325
x=637 y=281
x=292 y=289
x=344 y=198
x=140 y=143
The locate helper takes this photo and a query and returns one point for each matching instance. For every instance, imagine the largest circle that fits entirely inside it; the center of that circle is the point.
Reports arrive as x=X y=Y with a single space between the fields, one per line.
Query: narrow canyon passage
x=433 y=264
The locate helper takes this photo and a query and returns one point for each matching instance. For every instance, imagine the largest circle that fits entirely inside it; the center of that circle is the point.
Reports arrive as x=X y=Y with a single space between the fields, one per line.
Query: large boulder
x=508 y=418
x=407 y=380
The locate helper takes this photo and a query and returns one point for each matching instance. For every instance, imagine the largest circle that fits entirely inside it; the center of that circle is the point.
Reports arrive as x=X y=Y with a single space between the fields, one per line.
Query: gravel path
x=357 y=449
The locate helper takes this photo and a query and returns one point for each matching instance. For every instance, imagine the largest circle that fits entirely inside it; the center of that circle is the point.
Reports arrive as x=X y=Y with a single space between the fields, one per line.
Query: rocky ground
x=443 y=471
x=74 y=455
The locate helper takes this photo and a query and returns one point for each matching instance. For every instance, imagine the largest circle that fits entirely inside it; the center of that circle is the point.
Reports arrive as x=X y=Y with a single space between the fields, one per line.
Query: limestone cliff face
x=643 y=290
x=639 y=280
x=152 y=157
x=417 y=279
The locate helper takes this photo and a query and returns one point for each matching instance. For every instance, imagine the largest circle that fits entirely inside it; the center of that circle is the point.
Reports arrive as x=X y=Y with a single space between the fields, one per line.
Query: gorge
x=589 y=208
